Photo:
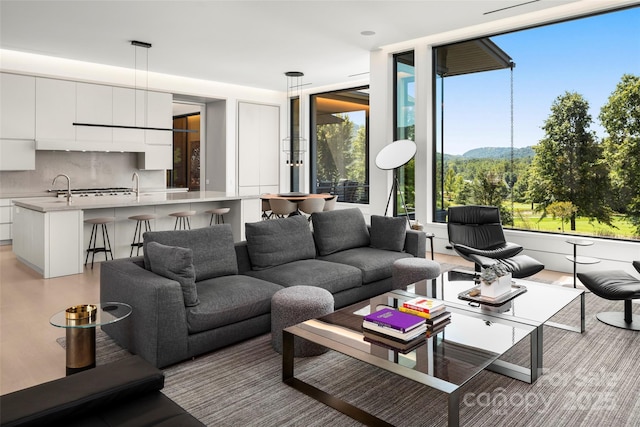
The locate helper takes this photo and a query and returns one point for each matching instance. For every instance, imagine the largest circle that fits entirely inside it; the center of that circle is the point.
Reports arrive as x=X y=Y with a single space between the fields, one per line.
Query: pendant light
x=294 y=145
x=138 y=44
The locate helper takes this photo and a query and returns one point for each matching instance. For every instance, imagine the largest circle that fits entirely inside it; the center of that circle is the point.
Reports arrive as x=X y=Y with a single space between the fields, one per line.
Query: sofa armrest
x=157 y=328
x=82 y=393
x=416 y=243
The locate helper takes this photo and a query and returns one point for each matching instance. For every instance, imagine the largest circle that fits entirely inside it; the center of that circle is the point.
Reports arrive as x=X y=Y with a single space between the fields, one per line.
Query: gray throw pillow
x=388 y=233
x=176 y=264
x=214 y=252
x=279 y=241
x=338 y=230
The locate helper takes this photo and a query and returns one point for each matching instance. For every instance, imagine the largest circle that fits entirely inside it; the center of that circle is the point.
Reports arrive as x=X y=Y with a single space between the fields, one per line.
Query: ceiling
x=250 y=43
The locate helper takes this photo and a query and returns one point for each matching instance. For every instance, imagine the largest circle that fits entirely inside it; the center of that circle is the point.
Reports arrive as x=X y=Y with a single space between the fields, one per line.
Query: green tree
x=568 y=164
x=562 y=210
x=621 y=119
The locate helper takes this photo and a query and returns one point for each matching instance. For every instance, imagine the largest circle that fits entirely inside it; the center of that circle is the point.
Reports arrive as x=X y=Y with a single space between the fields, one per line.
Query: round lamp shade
x=396 y=154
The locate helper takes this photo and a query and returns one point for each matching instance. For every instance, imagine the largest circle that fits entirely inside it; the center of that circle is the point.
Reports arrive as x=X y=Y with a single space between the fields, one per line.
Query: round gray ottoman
x=406 y=271
x=290 y=306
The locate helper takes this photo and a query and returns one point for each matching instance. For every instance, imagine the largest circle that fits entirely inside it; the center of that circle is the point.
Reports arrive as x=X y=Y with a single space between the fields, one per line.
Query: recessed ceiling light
x=368 y=33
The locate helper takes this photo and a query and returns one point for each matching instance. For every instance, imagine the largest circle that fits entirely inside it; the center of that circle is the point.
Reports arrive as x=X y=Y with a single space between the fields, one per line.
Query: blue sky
x=587 y=56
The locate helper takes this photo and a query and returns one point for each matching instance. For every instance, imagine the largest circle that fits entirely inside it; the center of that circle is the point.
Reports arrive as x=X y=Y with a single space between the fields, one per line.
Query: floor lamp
x=391 y=157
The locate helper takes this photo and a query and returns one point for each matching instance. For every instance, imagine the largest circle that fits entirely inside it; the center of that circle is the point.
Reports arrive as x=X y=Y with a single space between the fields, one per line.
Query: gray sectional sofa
x=195 y=291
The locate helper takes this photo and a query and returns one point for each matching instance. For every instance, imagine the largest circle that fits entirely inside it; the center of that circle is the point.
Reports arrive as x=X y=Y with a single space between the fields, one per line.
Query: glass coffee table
x=80 y=322
x=472 y=342
x=539 y=303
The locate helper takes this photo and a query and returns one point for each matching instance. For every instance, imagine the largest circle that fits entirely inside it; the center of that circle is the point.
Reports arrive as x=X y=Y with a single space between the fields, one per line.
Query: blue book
x=394 y=319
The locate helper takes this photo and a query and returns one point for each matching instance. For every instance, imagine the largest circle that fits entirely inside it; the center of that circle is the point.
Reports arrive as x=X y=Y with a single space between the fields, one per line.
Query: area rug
x=589 y=379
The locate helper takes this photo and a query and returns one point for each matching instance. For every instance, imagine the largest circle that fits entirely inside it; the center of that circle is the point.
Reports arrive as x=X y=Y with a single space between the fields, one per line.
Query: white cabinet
x=17 y=122
x=258 y=144
x=17 y=106
x=5 y=221
x=60 y=103
x=49 y=242
x=128 y=110
x=159 y=114
x=55 y=114
x=94 y=105
x=17 y=154
x=156 y=157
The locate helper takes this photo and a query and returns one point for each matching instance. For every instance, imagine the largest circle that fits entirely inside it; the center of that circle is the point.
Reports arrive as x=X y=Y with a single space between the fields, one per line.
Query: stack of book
x=433 y=311
x=394 y=324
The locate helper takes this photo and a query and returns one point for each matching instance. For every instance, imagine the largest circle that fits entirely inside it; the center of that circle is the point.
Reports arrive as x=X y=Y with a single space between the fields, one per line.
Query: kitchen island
x=50 y=236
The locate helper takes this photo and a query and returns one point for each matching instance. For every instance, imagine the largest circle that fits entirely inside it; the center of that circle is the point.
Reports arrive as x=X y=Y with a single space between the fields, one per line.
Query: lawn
x=525 y=218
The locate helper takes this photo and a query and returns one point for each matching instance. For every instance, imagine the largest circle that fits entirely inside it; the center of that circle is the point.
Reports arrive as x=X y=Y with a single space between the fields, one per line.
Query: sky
x=587 y=56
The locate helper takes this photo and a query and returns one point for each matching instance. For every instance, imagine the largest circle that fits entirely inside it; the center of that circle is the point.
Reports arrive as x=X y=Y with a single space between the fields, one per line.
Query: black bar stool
x=218 y=214
x=182 y=220
x=106 y=244
x=141 y=221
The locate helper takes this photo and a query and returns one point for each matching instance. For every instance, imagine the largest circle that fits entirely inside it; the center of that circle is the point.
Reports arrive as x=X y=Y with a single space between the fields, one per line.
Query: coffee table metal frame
x=302 y=330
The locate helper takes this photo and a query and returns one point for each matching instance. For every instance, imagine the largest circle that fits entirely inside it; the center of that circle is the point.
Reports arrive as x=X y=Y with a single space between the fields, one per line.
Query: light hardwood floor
x=29 y=353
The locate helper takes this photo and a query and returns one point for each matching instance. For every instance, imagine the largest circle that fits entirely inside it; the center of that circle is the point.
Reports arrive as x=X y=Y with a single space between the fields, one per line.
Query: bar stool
x=182 y=220
x=106 y=244
x=218 y=214
x=141 y=220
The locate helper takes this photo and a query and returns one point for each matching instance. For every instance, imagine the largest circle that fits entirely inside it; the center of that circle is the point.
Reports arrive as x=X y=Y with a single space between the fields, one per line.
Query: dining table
x=296 y=196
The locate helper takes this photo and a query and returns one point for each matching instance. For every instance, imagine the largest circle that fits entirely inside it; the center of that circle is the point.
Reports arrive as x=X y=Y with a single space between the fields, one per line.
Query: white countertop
x=50 y=204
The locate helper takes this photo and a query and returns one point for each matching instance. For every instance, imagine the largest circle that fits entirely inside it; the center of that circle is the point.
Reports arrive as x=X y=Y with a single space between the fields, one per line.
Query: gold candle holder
x=83 y=311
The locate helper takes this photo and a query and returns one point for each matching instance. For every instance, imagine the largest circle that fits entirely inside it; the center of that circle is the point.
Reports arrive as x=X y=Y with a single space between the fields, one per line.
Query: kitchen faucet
x=136 y=179
x=68 y=185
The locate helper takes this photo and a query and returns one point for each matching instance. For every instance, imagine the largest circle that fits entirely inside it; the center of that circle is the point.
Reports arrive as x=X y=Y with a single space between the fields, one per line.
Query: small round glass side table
x=80 y=322
x=575 y=259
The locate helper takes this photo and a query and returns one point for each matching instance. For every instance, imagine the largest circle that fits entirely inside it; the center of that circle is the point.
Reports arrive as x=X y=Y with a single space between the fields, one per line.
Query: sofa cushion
x=176 y=264
x=229 y=299
x=279 y=241
x=338 y=230
x=214 y=253
x=388 y=233
x=312 y=272
x=375 y=264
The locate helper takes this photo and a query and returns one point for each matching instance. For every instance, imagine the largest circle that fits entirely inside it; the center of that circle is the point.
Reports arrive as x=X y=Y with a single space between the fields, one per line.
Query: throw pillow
x=388 y=233
x=279 y=241
x=176 y=264
x=338 y=230
x=214 y=252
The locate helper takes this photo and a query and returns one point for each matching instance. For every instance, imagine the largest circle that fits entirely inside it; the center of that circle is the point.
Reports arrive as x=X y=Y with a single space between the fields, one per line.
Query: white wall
x=548 y=248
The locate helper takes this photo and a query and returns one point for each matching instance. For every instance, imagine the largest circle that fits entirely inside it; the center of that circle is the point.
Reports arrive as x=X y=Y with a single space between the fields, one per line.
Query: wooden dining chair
x=281 y=208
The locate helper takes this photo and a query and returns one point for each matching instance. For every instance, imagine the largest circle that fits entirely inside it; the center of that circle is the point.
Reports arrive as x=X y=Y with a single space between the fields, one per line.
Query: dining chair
x=330 y=204
x=266 y=209
x=281 y=208
x=311 y=205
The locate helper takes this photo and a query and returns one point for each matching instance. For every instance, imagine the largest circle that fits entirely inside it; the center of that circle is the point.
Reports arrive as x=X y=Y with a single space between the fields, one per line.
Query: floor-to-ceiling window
x=340 y=144
x=543 y=123
x=404 y=91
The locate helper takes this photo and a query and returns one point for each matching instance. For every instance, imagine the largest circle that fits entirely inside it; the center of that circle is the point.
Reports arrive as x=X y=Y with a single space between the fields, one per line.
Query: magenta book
x=388 y=317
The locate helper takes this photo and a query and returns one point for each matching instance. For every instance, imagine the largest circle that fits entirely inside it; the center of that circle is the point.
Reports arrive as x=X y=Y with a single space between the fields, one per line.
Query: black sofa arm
x=125 y=392
x=81 y=393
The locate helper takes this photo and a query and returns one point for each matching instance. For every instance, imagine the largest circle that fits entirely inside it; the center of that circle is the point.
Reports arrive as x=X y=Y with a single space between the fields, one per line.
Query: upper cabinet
x=17 y=122
x=55 y=114
x=17 y=106
x=60 y=103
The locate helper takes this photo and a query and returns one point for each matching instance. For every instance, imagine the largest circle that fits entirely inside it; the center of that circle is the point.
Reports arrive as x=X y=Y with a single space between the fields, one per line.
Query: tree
x=568 y=164
x=562 y=210
x=621 y=119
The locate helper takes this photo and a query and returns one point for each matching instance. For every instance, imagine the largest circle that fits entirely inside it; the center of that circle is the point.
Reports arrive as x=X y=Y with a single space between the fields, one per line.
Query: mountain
x=498 y=153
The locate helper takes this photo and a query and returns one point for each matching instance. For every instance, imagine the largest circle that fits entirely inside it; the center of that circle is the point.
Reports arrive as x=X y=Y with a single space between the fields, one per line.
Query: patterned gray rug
x=589 y=379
